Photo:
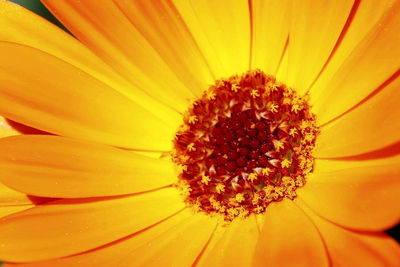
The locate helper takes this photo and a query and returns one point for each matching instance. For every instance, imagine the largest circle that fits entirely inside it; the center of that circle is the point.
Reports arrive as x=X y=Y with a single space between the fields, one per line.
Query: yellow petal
x=349 y=248
x=114 y=253
x=270 y=26
x=12 y=201
x=362 y=195
x=179 y=246
x=373 y=61
x=20 y=26
x=7 y=210
x=64 y=100
x=314 y=31
x=55 y=166
x=23 y=27
x=107 y=31
x=283 y=66
x=372 y=125
x=6 y=129
x=10 y=128
x=289 y=238
x=67 y=227
x=9 y=197
x=162 y=26
x=362 y=18
x=222 y=31
x=231 y=245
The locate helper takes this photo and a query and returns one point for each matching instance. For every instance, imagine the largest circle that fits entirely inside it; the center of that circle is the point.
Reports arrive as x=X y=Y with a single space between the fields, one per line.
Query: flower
x=97 y=188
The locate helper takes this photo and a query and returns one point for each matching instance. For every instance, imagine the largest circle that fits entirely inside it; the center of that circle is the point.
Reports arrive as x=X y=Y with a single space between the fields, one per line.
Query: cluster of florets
x=247 y=142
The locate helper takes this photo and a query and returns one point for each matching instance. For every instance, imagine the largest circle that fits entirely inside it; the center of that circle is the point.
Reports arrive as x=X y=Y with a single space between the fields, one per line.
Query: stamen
x=246 y=142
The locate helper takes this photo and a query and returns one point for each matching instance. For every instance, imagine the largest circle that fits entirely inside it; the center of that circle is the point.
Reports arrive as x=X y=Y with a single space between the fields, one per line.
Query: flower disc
x=246 y=142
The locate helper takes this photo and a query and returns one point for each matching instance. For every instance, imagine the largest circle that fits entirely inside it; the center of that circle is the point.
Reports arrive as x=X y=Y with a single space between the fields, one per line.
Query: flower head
x=200 y=133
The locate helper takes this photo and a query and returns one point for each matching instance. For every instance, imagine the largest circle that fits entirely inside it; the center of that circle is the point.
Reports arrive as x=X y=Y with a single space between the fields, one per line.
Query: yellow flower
x=93 y=124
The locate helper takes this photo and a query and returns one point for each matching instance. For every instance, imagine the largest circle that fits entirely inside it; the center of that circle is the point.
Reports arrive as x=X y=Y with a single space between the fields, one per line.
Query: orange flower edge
x=245 y=143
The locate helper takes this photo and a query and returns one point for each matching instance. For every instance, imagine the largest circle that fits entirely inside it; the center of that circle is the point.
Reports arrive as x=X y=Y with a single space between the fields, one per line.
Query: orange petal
x=7 y=210
x=270 y=26
x=348 y=248
x=15 y=128
x=9 y=197
x=112 y=254
x=24 y=27
x=172 y=247
x=107 y=31
x=12 y=201
x=362 y=195
x=370 y=126
x=289 y=238
x=370 y=64
x=361 y=20
x=55 y=166
x=162 y=26
x=231 y=245
x=77 y=104
x=21 y=26
x=73 y=226
x=314 y=31
x=222 y=31
x=6 y=129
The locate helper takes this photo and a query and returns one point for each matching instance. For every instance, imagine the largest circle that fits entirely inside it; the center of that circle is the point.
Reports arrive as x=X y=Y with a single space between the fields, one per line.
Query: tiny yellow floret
x=309 y=137
x=295 y=108
x=190 y=147
x=299 y=181
x=239 y=197
x=273 y=87
x=184 y=158
x=193 y=119
x=211 y=95
x=293 y=132
x=254 y=93
x=291 y=193
x=256 y=198
x=270 y=192
x=205 y=179
x=232 y=212
x=266 y=171
x=278 y=145
x=220 y=188
x=285 y=163
x=288 y=181
x=252 y=176
x=259 y=209
x=304 y=125
x=273 y=108
x=234 y=88
x=182 y=168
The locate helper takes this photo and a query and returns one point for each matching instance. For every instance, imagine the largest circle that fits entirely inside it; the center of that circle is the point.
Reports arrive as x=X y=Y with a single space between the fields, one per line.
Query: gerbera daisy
x=205 y=133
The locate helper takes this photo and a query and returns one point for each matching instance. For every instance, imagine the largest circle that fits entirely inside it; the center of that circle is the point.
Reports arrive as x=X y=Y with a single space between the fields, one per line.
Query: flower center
x=246 y=142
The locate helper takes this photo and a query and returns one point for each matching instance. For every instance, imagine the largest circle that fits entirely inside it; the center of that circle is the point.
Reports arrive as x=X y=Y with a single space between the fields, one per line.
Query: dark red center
x=239 y=143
